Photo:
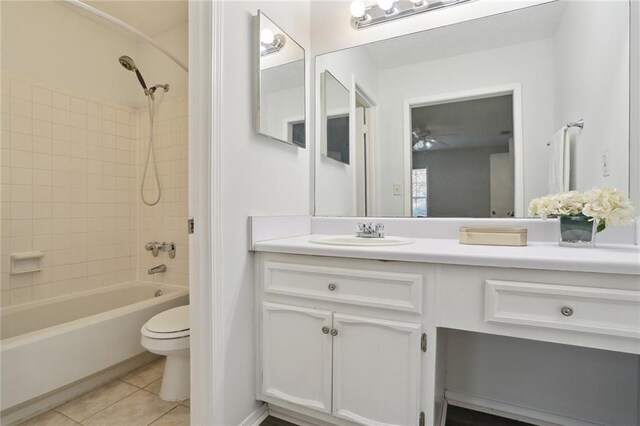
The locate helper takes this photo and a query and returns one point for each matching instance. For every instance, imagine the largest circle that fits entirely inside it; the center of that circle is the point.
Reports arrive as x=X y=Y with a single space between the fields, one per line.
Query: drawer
x=576 y=308
x=392 y=290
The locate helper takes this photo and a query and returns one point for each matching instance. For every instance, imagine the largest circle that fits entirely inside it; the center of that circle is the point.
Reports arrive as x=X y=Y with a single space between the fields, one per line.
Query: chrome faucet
x=367 y=231
x=157 y=269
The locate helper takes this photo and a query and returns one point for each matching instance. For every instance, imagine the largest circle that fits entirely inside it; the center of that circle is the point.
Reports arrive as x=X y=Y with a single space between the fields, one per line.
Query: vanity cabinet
x=330 y=335
x=348 y=341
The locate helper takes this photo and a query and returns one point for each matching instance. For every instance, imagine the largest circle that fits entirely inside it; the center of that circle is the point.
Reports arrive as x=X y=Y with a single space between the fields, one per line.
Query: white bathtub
x=50 y=344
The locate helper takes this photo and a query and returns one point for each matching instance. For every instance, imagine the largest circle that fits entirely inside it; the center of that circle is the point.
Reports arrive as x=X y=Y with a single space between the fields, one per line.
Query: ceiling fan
x=421 y=139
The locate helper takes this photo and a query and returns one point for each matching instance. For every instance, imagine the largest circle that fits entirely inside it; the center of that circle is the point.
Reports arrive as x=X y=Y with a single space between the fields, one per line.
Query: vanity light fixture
x=363 y=16
x=270 y=42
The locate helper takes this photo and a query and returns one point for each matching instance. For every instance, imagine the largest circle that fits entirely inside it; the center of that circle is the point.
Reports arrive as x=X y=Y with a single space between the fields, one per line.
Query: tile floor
x=131 y=400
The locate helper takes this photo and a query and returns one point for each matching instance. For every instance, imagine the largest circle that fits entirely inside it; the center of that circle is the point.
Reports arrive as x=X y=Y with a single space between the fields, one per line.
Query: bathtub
x=50 y=344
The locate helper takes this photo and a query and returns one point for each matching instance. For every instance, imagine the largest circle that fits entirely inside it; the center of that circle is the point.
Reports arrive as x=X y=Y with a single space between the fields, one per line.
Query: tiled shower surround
x=70 y=177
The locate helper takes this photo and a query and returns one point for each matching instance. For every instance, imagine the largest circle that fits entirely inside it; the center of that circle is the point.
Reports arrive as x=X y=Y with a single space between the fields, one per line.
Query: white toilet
x=168 y=334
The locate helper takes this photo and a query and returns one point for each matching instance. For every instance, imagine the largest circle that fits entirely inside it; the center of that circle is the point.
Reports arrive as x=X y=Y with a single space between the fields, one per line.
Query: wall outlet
x=397 y=189
x=605 y=164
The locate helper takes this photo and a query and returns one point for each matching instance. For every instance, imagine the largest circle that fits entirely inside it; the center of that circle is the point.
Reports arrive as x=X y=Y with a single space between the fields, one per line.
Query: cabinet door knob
x=332 y=287
x=567 y=311
x=334 y=332
x=325 y=329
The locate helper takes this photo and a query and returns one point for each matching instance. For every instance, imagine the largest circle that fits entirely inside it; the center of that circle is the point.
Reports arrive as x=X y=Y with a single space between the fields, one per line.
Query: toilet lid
x=174 y=320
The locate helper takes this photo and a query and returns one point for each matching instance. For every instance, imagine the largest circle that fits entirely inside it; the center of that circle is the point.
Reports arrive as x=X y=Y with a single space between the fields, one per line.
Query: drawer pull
x=325 y=329
x=334 y=332
x=567 y=311
x=332 y=287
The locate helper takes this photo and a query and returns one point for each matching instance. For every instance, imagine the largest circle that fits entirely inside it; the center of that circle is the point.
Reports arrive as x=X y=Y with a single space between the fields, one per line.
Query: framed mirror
x=457 y=121
x=335 y=119
x=280 y=94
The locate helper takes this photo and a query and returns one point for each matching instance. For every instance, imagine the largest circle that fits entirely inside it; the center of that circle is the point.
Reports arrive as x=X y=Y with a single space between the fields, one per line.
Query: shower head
x=129 y=65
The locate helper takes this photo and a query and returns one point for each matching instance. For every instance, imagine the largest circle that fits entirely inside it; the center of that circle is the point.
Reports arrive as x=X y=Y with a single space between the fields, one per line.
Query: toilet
x=168 y=334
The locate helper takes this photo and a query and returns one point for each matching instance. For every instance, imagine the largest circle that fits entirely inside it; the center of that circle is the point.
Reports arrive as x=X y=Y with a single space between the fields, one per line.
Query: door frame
x=514 y=89
x=205 y=245
x=372 y=184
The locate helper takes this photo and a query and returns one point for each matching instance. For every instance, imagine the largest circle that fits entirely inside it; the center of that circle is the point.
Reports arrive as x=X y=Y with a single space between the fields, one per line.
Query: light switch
x=605 y=164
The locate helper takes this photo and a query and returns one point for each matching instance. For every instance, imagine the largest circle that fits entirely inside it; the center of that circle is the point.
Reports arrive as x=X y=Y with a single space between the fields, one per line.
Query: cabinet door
x=296 y=355
x=376 y=371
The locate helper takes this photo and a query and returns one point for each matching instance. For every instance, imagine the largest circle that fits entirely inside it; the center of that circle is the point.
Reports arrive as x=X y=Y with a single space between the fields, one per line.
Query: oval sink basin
x=351 y=240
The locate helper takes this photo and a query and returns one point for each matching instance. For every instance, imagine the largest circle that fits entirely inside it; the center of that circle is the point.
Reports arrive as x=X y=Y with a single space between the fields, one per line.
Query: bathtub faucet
x=157 y=269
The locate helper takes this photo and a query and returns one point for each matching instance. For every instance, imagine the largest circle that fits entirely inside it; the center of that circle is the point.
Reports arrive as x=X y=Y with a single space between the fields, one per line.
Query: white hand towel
x=559 y=162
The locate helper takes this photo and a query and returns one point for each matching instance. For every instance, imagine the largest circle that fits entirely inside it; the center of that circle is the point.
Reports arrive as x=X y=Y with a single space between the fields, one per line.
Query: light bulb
x=419 y=2
x=266 y=36
x=385 y=5
x=357 y=8
x=428 y=145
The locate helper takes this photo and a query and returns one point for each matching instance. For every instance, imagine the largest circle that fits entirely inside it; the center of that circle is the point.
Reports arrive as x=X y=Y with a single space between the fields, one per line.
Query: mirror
x=335 y=119
x=456 y=121
x=280 y=93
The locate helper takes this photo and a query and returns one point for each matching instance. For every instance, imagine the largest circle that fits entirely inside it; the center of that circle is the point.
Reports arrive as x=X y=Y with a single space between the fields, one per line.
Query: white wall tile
x=70 y=178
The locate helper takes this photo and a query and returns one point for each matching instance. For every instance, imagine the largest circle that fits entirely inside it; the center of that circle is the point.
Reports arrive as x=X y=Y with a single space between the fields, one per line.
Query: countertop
x=604 y=258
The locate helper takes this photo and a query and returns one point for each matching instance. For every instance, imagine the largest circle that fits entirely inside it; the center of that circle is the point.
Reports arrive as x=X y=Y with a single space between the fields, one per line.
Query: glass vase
x=577 y=231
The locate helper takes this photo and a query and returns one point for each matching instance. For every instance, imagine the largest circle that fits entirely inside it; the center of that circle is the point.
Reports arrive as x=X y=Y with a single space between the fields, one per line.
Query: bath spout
x=157 y=269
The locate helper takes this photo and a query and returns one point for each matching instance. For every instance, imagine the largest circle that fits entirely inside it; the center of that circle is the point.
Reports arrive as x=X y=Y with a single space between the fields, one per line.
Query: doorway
x=467 y=145
x=364 y=153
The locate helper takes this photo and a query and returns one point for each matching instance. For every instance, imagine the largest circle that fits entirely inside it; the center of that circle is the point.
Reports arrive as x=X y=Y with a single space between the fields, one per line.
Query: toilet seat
x=170 y=324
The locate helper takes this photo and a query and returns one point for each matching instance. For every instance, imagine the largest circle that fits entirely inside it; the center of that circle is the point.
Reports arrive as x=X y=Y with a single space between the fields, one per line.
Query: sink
x=350 y=240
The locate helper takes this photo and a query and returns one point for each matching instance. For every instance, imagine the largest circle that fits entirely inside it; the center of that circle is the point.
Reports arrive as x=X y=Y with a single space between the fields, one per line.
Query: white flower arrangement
x=607 y=206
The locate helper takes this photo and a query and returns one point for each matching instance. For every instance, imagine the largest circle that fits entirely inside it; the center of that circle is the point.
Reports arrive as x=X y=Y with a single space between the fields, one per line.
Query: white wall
x=634 y=139
x=62 y=47
x=335 y=183
x=591 y=81
x=259 y=177
x=528 y=64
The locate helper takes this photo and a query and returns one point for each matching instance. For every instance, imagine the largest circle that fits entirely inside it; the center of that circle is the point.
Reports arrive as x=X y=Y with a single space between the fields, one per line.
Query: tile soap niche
x=28 y=261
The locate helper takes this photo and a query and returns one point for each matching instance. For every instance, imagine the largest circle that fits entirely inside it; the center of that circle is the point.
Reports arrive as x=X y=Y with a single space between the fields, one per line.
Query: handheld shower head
x=129 y=65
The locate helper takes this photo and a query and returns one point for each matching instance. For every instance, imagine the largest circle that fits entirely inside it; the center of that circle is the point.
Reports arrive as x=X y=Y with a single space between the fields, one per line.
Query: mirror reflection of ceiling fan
x=421 y=139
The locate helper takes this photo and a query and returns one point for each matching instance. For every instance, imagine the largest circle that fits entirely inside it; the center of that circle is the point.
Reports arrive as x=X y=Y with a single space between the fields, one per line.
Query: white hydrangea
x=607 y=206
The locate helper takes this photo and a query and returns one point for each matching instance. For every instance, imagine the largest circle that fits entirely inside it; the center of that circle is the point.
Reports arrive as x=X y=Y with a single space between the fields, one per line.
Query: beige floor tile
x=50 y=418
x=186 y=402
x=179 y=416
x=145 y=375
x=96 y=400
x=140 y=408
x=154 y=387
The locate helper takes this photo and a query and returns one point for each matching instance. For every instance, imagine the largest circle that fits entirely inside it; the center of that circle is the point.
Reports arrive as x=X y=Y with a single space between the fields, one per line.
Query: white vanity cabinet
x=349 y=341
x=330 y=335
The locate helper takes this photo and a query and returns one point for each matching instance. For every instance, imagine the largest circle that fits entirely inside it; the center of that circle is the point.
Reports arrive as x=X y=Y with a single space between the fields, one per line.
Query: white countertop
x=604 y=258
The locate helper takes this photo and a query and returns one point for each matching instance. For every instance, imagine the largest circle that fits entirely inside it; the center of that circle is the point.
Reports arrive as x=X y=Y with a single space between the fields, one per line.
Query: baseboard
x=256 y=417
x=515 y=412
x=43 y=403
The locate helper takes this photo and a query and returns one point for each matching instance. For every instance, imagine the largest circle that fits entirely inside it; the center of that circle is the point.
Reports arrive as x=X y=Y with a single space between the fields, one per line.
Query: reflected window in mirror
x=419 y=192
x=281 y=84
x=336 y=108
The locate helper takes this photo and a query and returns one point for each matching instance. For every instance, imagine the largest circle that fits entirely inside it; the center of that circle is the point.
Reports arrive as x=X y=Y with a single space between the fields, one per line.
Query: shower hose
x=151 y=154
